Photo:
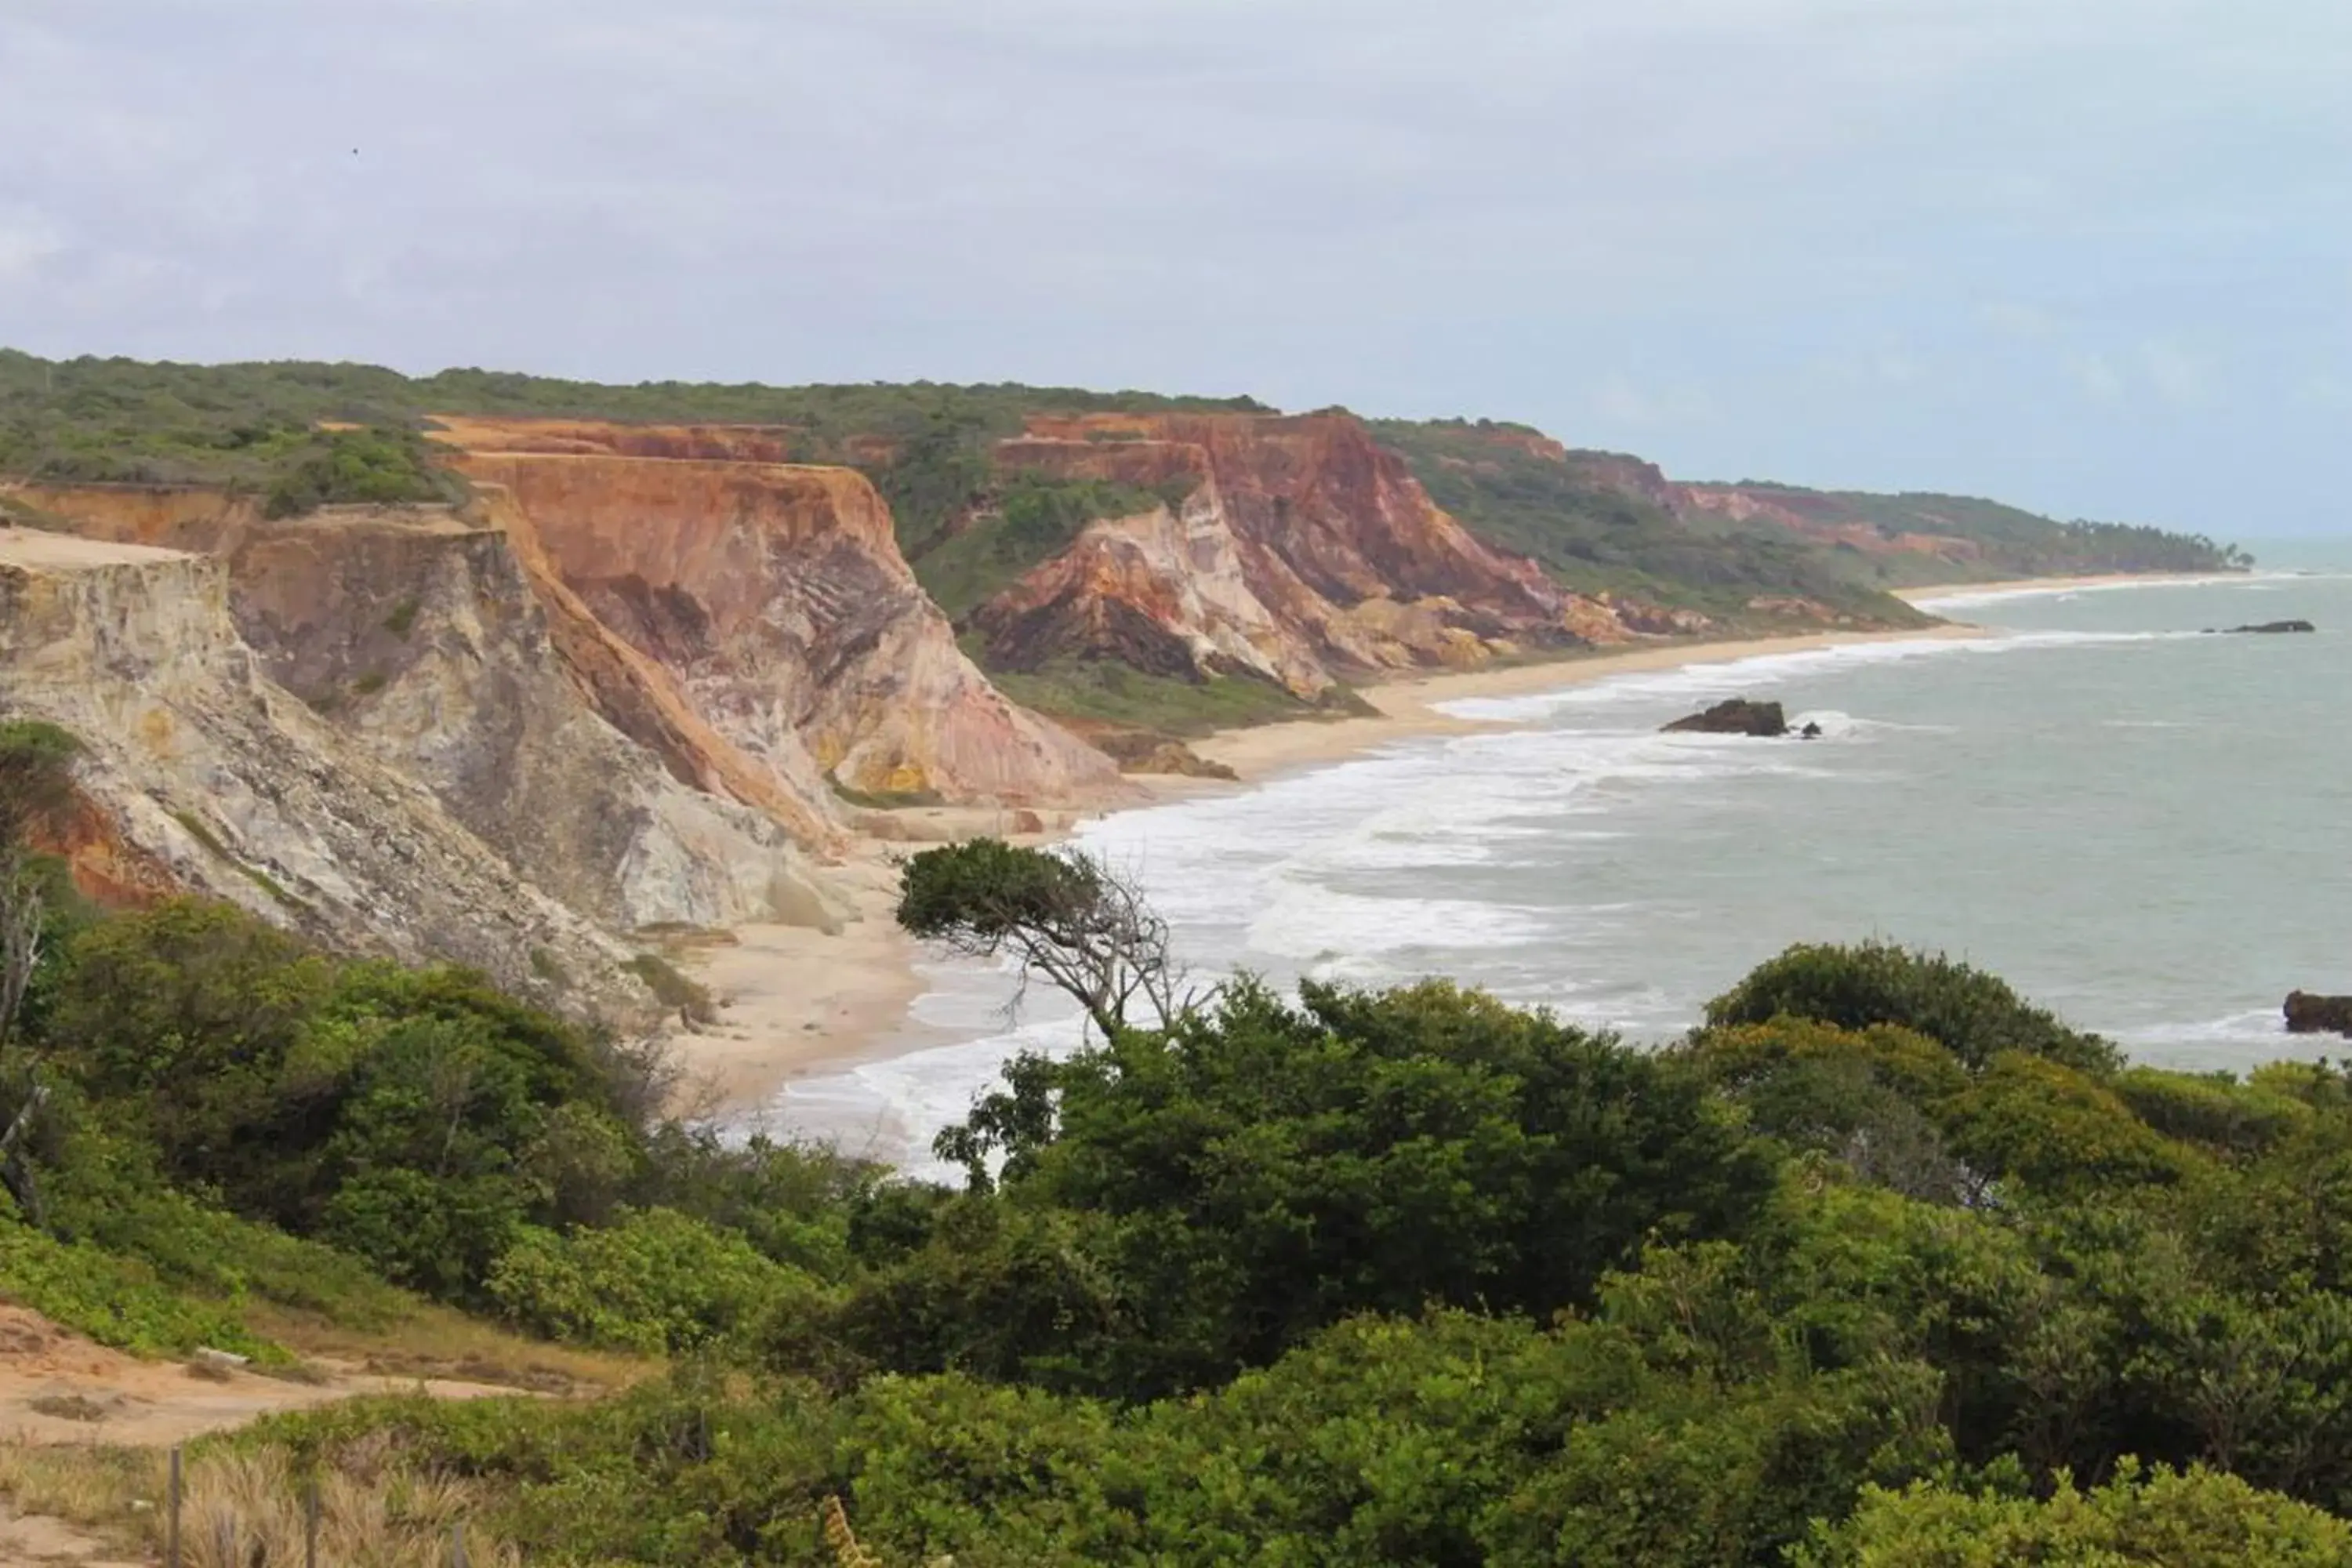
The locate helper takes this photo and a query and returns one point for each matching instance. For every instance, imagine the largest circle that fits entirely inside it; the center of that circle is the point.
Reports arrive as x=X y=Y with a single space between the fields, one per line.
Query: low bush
x=115 y=1301
x=653 y=1282
x=1975 y=1014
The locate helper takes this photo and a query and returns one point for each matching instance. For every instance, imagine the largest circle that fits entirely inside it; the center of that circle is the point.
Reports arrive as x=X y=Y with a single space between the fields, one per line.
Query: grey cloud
x=1649 y=224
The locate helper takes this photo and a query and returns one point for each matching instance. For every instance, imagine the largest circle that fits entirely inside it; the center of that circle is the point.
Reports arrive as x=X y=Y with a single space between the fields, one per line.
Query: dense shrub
x=1405 y=1278
x=115 y=1301
x=798 y=1203
x=1223 y=1189
x=1973 y=1013
x=653 y=1281
x=2193 y=1519
x=379 y=466
x=413 y=1117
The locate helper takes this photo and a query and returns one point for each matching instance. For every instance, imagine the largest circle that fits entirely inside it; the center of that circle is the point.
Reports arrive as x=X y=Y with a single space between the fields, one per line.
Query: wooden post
x=225 y=1538
x=172 y=1516
x=310 y=1525
x=457 y=1546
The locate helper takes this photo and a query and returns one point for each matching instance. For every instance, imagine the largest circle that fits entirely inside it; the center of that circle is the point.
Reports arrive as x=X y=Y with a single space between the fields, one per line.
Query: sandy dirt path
x=59 y=1387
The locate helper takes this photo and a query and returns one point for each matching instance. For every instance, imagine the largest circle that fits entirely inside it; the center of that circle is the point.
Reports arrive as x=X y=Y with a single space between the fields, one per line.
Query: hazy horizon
x=2088 y=263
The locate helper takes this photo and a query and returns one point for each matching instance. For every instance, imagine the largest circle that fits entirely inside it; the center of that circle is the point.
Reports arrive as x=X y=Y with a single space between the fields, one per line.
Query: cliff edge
x=234 y=785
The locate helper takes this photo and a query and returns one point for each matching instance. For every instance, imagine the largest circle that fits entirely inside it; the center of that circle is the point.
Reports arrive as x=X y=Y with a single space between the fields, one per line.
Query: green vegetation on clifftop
x=1596 y=539
x=1599 y=521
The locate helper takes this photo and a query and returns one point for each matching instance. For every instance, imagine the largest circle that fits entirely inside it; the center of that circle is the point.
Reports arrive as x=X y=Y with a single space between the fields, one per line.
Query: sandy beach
x=1408 y=706
x=2060 y=584
x=796 y=1002
x=793 y=1000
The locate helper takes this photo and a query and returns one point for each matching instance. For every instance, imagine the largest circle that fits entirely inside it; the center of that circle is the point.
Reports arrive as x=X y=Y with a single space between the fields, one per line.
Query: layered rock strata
x=423 y=638
x=450 y=648
x=775 y=596
x=235 y=788
x=1302 y=552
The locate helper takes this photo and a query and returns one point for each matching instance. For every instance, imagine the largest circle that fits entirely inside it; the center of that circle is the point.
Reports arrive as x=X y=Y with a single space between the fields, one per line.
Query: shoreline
x=1408 y=705
x=2021 y=588
x=798 y=1003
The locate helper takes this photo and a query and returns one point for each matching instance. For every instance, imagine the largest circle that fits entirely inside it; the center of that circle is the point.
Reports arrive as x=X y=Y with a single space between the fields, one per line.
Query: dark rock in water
x=1809 y=732
x=2310 y=1015
x=1737 y=717
x=2271 y=628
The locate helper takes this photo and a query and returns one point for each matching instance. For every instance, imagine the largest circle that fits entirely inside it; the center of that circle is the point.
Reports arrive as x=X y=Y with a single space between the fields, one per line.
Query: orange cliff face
x=271 y=562
x=639 y=697
x=1820 y=518
x=105 y=867
x=775 y=596
x=598 y=438
x=1305 y=549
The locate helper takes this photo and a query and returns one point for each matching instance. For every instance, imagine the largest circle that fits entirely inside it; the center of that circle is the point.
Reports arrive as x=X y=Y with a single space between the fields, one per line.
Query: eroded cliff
x=215 y=777
x=422 y=637
x=1305 y=550
x=775 y=596
x=448 y=647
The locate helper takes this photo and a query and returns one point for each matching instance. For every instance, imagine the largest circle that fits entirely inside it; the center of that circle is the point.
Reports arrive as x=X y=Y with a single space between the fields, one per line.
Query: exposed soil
x=59 y=1387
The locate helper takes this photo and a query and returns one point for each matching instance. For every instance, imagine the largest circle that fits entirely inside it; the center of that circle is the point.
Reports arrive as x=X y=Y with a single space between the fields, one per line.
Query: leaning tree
x=1061 y=915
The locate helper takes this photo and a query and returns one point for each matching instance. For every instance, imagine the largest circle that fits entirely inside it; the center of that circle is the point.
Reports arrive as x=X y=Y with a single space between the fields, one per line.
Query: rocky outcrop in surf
x=2271 y=628
x=1737 y=716
x=2307 y=1014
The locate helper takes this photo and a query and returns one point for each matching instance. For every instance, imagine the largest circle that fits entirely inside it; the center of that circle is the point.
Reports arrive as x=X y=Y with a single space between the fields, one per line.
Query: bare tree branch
x=1062 y=915
x=22 y=922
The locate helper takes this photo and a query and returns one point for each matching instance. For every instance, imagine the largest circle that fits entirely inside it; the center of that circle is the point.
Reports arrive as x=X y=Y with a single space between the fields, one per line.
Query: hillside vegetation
x=130 y=421
x=1596 y=539
x=1882 y=1263
x=1585 y=516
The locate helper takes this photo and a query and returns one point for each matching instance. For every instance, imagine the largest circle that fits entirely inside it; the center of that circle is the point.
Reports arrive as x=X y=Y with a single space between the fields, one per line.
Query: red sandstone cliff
x=202 y=773
x=775 y=596
x=444 y=644
x=1304 y=551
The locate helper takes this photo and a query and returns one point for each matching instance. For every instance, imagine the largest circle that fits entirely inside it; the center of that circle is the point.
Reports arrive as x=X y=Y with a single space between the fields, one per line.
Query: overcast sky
x=2092 y=256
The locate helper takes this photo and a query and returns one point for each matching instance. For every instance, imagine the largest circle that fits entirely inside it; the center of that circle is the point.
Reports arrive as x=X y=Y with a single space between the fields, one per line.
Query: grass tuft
x=253 y=874
x=244 y=1508
x=671 y=987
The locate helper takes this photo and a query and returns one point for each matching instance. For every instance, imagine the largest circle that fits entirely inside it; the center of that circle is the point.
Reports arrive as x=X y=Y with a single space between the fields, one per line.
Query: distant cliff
x=1301 y=552
x=1754 y=551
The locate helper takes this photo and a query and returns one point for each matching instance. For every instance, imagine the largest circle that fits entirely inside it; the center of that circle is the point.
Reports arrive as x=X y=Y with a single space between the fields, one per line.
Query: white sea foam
x=1696 y=682
x=1959 y=597
x=2256 y=1025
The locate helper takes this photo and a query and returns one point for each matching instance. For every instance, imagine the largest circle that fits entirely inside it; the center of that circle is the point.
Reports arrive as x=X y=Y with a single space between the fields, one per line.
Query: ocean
x=2143 y=826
